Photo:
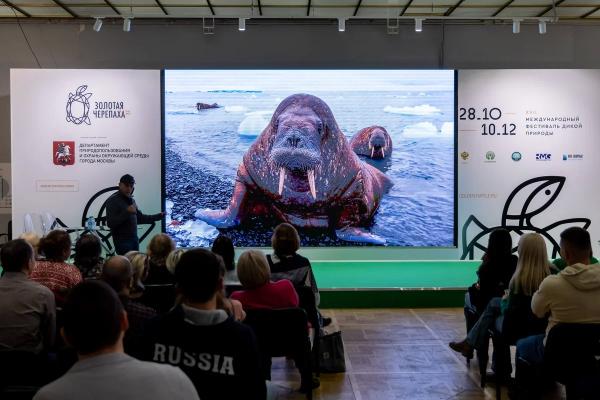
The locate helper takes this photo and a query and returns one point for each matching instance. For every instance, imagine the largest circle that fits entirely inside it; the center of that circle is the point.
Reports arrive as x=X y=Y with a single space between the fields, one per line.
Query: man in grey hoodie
x=568 y=297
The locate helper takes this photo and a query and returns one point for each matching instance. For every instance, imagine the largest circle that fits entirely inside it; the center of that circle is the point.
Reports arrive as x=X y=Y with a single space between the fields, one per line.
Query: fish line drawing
x=518 y=216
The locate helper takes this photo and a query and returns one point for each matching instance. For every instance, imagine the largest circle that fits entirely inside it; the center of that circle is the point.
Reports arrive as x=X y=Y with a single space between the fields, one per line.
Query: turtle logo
x=78 y=106
x=526 y=201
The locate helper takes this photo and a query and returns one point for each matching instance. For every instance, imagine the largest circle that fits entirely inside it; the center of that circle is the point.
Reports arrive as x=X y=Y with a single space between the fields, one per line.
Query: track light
x=516 y=26
x=418 y=24
x=341 y=25
x=242 y=25
x=542 y=27
x=126 y=24
x=98 y=24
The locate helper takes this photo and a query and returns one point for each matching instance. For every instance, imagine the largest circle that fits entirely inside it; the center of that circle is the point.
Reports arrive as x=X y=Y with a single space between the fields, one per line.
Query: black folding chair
x=280 y=333
x=159 y=297
x=22 y=374
x=518 y=322
x=572 y=357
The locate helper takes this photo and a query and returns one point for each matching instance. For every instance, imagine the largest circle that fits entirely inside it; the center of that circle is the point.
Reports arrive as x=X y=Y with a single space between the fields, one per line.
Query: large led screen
x=349 y=157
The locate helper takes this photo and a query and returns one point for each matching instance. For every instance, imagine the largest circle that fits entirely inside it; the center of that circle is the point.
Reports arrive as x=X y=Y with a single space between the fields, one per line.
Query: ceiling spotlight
x=516 y=25
x=242 y=25
x=126 y=24
x=341 y=25
x=98 y=24
x=542 y=27
x=418 y=24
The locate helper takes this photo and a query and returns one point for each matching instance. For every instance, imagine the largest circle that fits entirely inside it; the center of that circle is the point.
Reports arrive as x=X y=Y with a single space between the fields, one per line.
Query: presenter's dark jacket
x=220 y=356
x=123 y=224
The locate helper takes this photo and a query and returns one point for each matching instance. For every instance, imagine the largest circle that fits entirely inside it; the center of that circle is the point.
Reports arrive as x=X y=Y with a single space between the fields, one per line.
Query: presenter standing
x=123 y=215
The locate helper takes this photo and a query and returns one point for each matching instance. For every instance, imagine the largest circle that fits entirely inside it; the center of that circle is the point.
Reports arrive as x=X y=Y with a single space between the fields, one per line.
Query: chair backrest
x=519 y=321
x=572 y=351
x=18 y=368
x=159 y=297
x=280 y=332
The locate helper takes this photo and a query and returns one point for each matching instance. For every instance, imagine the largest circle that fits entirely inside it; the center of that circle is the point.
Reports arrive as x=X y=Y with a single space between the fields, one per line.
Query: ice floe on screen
x=422 y=110
x=254 y=123
x=447 y=129
x=421 y=130
x=236 y=109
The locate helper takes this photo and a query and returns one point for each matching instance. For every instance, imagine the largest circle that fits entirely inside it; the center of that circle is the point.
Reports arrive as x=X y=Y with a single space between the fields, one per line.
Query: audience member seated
x=173 y=259
x=219 y=354
x=27 y=309
x=53 y=272
x=223 y=246
x=568 y=297
x=94 y=324
x=158 y=249
x=497 y=268
x=88 y=256
x=285 y=263
x=34 y=240
x=532 y=268
x=260 y=292
x=139 y=263
x=118 y=273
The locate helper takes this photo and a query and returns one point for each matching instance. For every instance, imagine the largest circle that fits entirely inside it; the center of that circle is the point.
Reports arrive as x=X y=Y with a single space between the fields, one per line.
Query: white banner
x=527 y=162
x=74 y=134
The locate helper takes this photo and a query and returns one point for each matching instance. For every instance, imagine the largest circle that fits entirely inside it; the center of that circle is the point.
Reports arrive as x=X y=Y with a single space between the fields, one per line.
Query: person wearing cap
x=123 y=215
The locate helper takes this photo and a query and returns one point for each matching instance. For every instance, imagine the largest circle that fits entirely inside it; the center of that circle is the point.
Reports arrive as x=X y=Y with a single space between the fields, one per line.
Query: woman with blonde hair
x=259 y=292
x=158 y=250
x=173 y=259
x=139 y=264
x=533 y=266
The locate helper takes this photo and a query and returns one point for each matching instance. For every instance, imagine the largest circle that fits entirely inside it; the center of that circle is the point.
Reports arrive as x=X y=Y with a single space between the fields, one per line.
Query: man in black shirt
x=218 y=354
x=123 y=215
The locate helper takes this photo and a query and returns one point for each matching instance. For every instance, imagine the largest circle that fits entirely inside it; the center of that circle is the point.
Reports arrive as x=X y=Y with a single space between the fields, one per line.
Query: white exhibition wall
x=527 y=141
x=74 y=134
x=165 y=44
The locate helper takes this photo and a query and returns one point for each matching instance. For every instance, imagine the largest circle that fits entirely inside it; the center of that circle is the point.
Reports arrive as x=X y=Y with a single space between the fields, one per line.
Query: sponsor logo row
x=516 y=156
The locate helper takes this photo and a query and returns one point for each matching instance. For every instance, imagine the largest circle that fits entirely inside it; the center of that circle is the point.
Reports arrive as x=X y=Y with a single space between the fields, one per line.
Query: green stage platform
x=373 y=284
x=376 y=284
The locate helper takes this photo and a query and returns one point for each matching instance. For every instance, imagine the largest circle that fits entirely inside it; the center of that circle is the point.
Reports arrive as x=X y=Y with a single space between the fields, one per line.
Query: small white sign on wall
x=5 y=189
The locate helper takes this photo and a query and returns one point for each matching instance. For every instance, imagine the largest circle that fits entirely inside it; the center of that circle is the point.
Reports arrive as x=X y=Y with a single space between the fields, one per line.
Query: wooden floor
x=393 y=354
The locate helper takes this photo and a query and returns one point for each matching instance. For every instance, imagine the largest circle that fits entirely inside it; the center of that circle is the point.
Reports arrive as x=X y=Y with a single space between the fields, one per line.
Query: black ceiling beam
x=504 y=7
x=212 y=11
x=587 y=14
x=454 y=7
x=558 y=3
x=308 y=9
x=67 y=9
x=259 y=8
x=406 y=7
x=161 y=7
x=11 y=5
x=108 y=3
x=357 y=7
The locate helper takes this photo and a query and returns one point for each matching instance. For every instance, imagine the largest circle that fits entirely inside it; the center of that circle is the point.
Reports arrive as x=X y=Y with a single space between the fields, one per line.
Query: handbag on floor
x=331 y=353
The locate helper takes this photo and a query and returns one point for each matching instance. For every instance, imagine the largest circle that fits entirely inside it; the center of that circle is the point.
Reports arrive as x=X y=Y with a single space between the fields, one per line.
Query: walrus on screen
x=374 y=142
x=302 y=170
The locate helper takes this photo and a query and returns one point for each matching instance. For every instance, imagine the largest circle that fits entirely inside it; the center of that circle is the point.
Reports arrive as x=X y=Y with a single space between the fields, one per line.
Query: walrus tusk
x=372 y=151
x=382 y=153
x=281 y=179
x=311 y=183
